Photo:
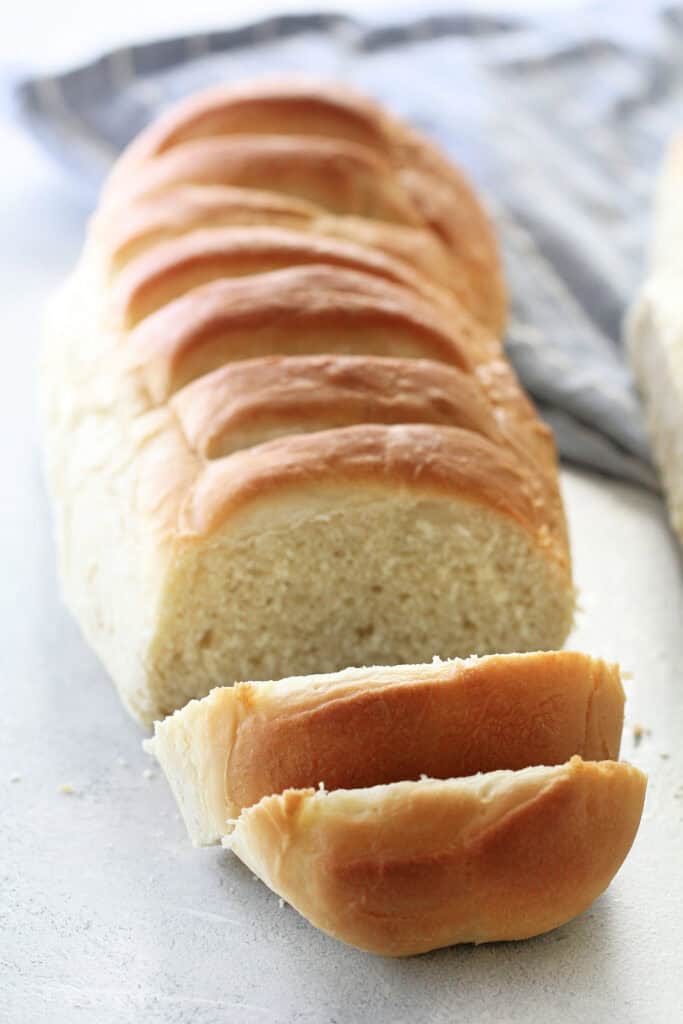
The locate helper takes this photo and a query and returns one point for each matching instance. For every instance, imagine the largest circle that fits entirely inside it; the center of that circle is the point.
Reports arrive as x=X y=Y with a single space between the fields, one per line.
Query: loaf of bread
x=654 y=335
x=415 y=806
x=364 y=727
x=282 y=435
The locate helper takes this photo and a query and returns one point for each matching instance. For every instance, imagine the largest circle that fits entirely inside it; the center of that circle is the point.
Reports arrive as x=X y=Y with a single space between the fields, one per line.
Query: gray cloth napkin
x=560 y=120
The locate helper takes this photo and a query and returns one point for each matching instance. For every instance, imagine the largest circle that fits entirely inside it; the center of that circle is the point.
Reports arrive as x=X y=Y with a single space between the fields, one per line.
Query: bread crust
x=246 y=317
x=428 y=459
x=268 y=105
x=401 y=869
x=322 y=117
x=243 y=404
x=174 y=267
x=366 y=727
x=131 y=229
x=341 y=177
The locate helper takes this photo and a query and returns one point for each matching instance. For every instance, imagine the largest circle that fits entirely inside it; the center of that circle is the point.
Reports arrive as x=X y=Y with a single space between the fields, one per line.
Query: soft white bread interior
x=363 y=727
x=654 y=335
x=282 y=436
x=408 y=867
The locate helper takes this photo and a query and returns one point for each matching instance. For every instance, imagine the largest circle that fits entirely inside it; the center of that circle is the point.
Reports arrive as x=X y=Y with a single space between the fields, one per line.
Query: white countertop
x=107 y=914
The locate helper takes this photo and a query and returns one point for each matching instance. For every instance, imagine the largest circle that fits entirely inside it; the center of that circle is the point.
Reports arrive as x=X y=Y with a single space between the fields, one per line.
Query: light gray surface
x=108 y=915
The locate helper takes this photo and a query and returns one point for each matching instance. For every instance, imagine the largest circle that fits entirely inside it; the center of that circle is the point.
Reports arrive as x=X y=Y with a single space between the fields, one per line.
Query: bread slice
x=654 y=335
x=408 y=867
x=363 y=727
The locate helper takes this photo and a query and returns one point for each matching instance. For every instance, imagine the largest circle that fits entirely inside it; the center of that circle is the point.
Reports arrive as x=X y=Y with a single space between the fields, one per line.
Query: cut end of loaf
x=362 y=583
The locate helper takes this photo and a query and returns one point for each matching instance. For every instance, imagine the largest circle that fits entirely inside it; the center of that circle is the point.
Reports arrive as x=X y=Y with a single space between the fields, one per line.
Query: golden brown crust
x=335 y=310
x=371 y=726
x=132 y=228
x=299 y=122
x=441 y=461
x=250 y=402
x=501 y=712
x=243 y=404
x=267 y=106
x=419 y=185
x=176 y=267
x=402 y=869
x=341 y=177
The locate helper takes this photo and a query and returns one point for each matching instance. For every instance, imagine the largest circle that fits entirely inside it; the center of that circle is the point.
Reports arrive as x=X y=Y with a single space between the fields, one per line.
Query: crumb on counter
x=281 y=903
x=66 y=789
x=149 y=774
x=639 y=731
x=15 y=778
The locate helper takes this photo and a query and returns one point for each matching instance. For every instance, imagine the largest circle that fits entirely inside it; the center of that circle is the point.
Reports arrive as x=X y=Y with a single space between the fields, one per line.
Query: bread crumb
x=15 y=778
x=423 y=777
x=665 y=757
x=627 y=675
x=281 y=903
x=321 y=787
x=122 y=762
x=639 y=731
x=149 y=774
x=67 y=789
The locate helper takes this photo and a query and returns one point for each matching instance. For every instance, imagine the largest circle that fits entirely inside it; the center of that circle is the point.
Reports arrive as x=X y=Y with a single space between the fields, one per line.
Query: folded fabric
x=559 y=120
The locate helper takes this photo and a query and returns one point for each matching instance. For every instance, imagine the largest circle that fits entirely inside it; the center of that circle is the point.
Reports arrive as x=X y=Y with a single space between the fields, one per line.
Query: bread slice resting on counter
x=410 y=807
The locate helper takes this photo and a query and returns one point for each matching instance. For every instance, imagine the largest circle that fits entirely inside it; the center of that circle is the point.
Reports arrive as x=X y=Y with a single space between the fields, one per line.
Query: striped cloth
x=560 y=120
